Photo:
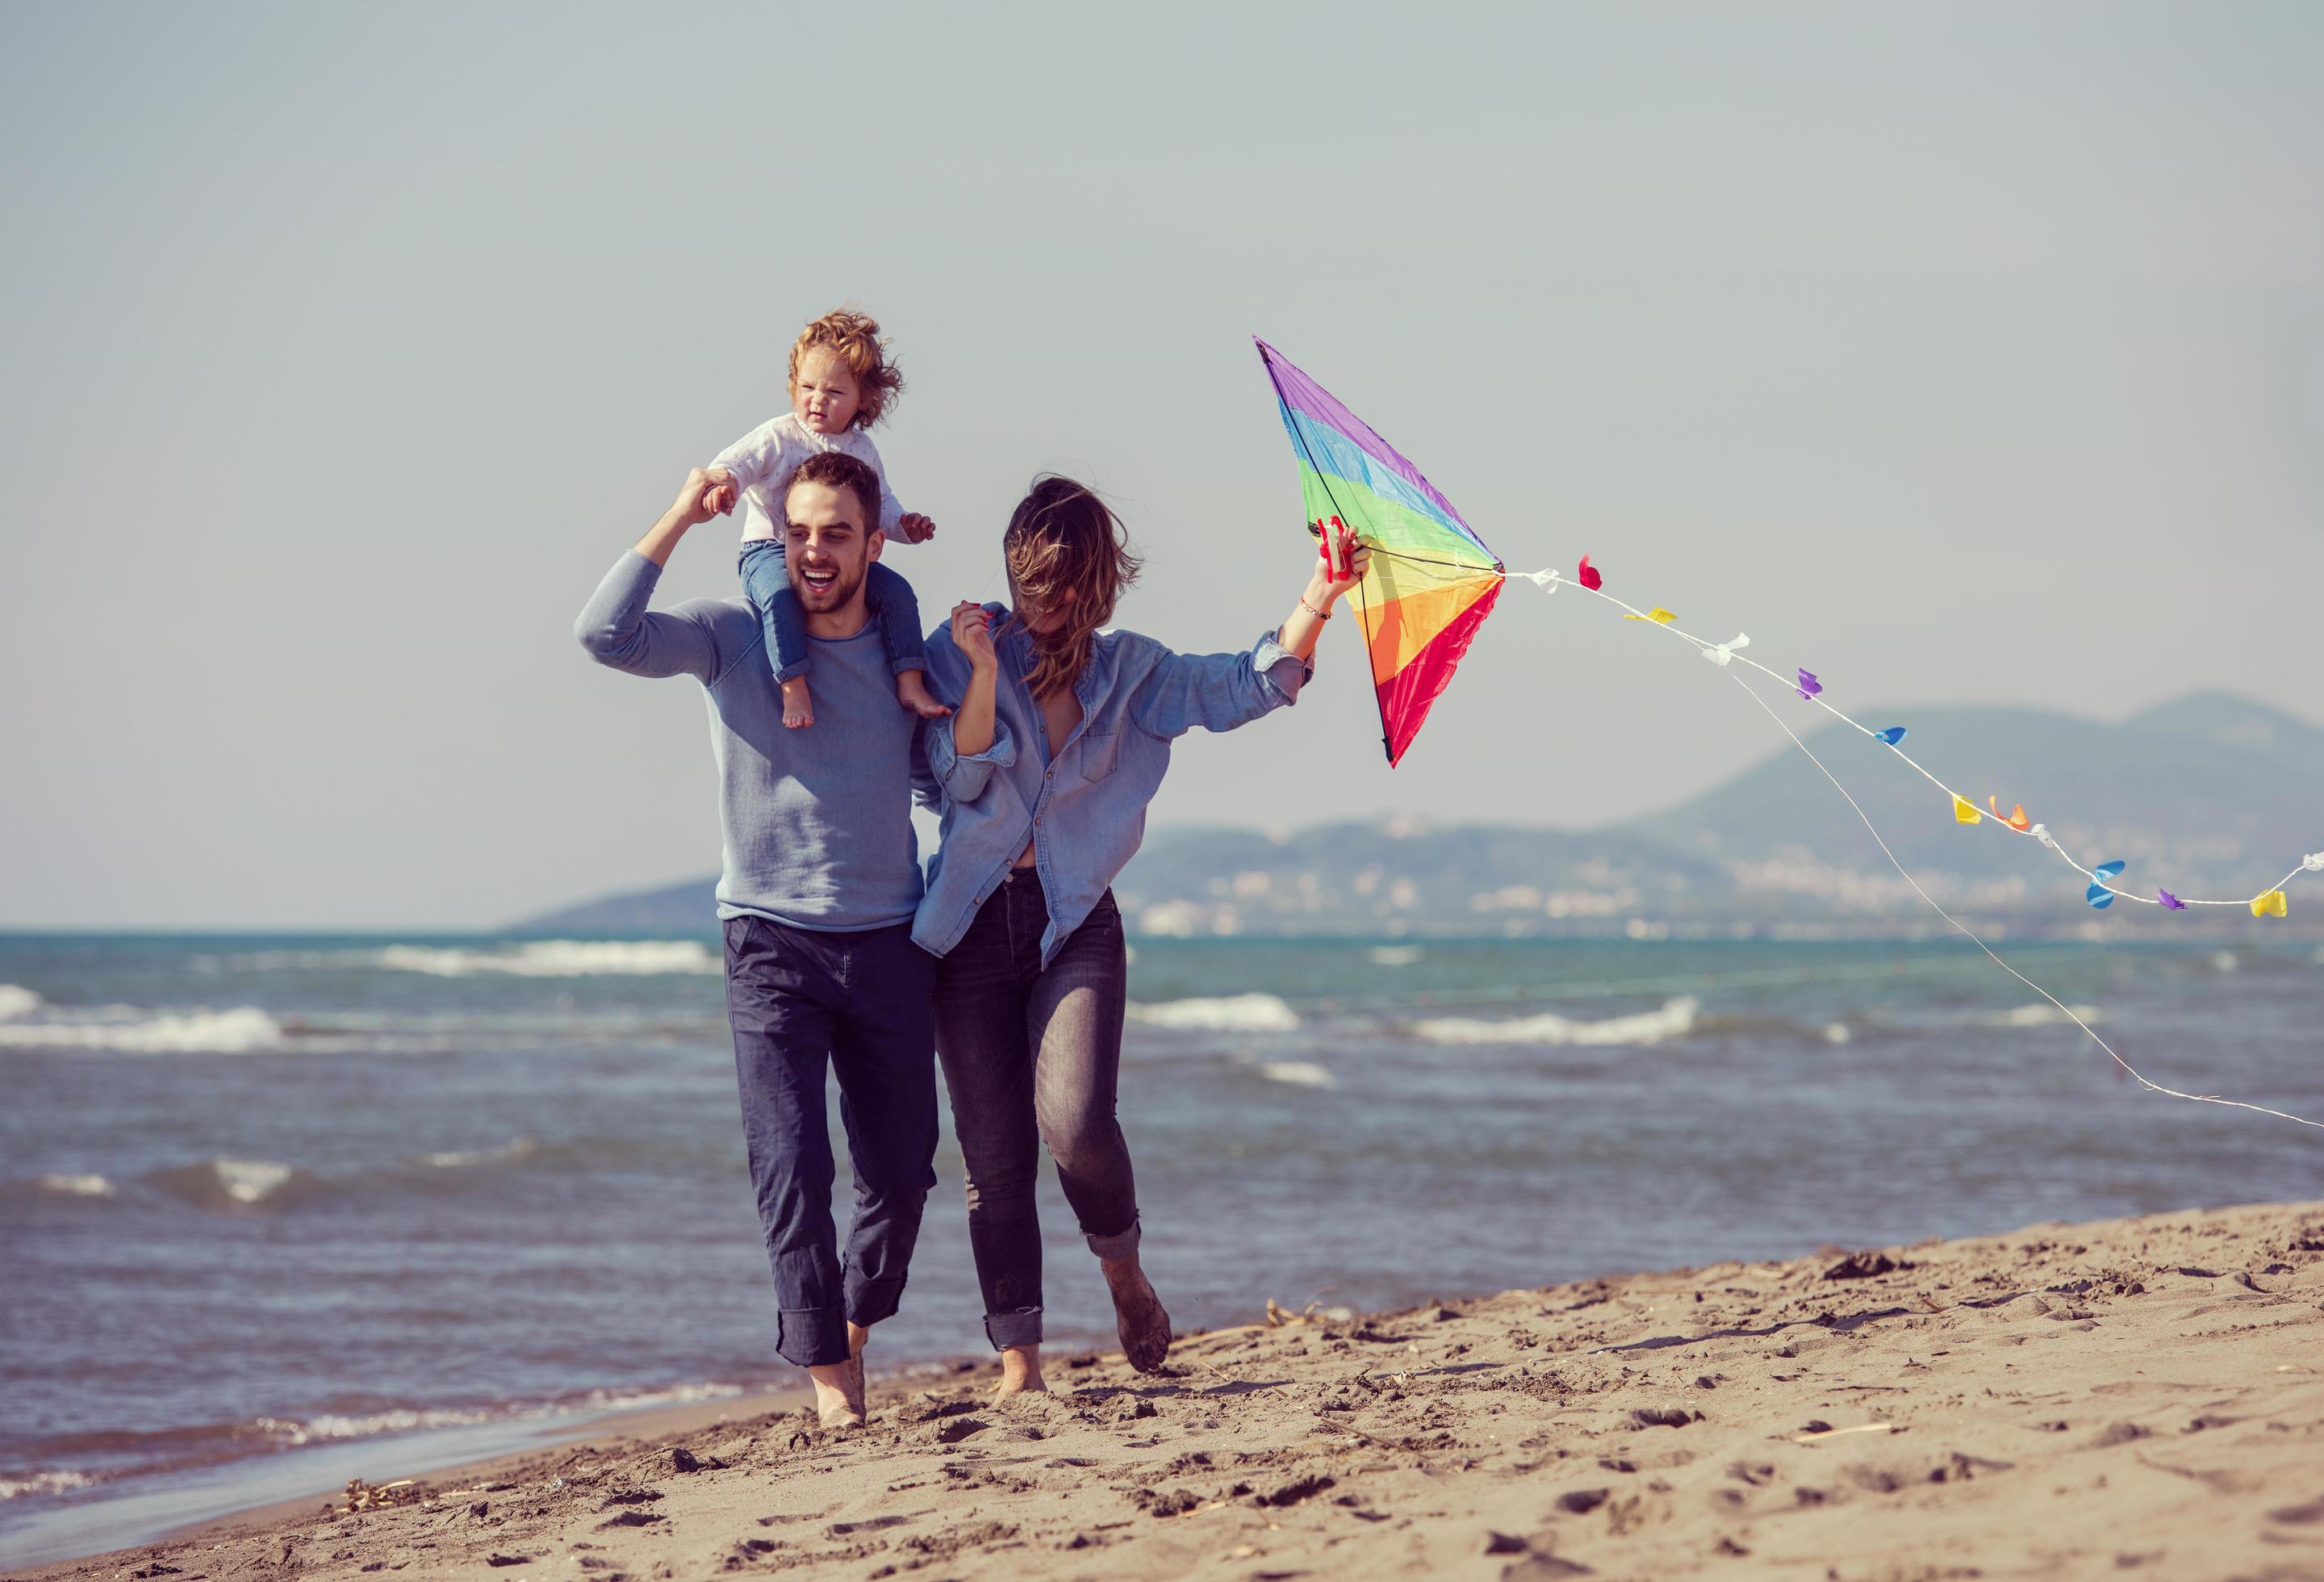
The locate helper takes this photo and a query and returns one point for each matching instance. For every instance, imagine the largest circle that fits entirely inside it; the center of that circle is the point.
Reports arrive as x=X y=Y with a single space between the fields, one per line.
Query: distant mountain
x=690 y=907
x=2210 y=795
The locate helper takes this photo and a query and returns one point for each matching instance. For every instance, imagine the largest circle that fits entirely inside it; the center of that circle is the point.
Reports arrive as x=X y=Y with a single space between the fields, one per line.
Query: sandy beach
x=2142 y=1395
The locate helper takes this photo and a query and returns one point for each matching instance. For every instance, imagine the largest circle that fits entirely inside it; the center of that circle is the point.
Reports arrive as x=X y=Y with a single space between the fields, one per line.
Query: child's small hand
x=913 y=528
x=719 y=497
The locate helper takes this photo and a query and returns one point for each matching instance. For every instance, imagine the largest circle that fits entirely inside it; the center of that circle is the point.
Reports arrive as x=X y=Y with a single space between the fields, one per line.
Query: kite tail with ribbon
x=2101 y=892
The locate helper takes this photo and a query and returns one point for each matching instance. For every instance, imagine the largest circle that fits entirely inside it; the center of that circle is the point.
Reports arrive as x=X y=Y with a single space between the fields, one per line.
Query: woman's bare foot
x=1020 y=1373
x=799 y=707
x=1139 y=1318
x=912 y=692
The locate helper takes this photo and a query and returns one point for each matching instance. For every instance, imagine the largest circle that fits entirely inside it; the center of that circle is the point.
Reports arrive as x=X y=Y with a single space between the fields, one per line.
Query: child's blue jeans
x=766 y=583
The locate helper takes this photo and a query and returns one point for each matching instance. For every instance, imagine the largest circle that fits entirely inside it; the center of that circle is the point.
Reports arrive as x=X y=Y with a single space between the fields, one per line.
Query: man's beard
x=837 y=595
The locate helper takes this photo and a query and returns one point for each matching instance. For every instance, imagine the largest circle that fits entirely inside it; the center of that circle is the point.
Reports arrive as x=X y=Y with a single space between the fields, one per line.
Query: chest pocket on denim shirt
x=1101 y=753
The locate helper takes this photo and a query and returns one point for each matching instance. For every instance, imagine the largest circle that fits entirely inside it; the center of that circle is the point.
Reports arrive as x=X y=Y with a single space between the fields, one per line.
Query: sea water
x=277 y=1212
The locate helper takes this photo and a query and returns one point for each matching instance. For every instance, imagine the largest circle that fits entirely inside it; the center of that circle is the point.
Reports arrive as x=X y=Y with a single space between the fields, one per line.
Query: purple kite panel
x=1303 y=395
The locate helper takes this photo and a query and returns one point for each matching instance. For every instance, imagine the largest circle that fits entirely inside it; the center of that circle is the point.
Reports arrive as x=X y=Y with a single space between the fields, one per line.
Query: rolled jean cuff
x=811 y=1337
x=870 y=1301
x=1021 y=1326
x=796 y=668
x=911 y=661
x=1121 y=1243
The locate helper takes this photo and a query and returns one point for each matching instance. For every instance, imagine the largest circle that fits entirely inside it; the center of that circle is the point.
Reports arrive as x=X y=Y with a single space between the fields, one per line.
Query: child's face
x=825 y=396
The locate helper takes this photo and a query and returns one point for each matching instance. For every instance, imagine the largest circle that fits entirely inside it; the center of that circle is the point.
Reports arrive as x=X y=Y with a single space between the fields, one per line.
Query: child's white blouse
x=763 y=460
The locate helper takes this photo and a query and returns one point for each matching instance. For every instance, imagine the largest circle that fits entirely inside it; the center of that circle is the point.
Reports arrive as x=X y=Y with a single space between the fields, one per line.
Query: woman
x=1061 y=739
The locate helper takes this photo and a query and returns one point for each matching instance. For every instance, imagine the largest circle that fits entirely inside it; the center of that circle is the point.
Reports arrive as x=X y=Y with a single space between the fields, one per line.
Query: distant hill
x=2211 y=794
x=689 y=908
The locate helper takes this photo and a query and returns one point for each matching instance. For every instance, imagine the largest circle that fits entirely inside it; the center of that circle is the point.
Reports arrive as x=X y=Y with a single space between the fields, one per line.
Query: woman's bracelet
x=1322 y=615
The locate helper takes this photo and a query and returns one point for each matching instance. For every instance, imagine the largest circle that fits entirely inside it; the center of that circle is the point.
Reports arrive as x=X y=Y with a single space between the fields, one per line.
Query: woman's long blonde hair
x=1067 y=551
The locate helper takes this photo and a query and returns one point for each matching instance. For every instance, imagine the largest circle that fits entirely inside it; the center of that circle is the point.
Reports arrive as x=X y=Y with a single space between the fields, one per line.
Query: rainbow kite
x=1431 y=581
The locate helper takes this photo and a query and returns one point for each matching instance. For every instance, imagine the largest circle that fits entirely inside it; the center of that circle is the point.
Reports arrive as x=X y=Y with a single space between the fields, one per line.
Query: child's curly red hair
x=855 y=340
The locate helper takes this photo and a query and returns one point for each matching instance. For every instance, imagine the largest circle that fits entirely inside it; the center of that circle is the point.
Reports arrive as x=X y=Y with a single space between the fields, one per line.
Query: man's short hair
x=836 y=469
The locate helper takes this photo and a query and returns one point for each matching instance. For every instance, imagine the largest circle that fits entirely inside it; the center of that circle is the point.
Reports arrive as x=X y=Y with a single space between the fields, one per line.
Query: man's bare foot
x=839 y=1393
x=1138 y=1315
x=799 y=707
x=912 y=692
x=1020 y=1373
x=839 y=1386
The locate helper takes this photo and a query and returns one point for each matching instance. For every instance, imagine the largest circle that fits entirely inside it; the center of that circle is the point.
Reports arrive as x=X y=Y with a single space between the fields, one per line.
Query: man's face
x=825 y=549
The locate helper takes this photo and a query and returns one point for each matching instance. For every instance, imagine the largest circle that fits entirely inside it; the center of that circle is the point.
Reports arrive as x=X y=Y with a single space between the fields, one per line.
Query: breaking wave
x=1298 y=1073
x=132 y=1029
x=1676 y=1019
x=50 y=1481
x=15 y=1000
x=2039 y=1014
x=78 y=1186
x=531 y=958
x=1231 y=1013
x=230 y=1183
x=454 y=1159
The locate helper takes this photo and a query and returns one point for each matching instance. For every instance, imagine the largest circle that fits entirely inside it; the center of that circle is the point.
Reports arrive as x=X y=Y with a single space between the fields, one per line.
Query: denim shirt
x=1081 y=802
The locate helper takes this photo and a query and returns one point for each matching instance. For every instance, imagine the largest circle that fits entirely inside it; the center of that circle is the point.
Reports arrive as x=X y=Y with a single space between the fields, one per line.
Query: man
x=821 y=879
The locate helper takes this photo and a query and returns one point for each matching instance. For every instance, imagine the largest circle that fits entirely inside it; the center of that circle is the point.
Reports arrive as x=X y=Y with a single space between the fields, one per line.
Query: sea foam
x=1674 y=1020
x=15 y=1000
x=1229 y=1013
x=332 y=1426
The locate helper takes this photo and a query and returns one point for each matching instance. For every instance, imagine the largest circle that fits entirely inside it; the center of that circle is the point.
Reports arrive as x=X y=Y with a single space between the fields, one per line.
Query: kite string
x=2112 y=1053
x=1553 y=579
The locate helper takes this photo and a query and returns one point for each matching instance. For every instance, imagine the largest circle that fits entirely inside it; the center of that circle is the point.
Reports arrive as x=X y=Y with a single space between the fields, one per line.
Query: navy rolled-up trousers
x=861 y=1001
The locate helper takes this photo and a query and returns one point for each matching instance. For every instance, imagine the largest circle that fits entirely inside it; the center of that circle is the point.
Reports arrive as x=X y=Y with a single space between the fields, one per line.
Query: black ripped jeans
x=1030 y=1056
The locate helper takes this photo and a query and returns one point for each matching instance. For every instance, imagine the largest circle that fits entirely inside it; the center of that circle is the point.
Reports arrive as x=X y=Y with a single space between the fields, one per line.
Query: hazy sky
x=1962 y=354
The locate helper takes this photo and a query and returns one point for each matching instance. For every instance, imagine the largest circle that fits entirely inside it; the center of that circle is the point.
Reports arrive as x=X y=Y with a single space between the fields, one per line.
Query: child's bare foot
x=1020 y=1373
x=1139 y=1318
x=913 y=693
x=799 y=707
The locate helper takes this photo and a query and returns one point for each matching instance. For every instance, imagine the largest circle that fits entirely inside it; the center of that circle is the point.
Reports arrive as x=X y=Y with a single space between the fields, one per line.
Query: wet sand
x=2141 y=1396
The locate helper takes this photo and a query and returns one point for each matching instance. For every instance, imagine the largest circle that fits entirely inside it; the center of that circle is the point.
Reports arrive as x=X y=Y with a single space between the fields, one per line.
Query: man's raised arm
x=616 y=627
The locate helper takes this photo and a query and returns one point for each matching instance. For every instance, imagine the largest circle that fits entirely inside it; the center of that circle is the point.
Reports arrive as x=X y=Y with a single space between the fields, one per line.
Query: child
x=840 y=384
